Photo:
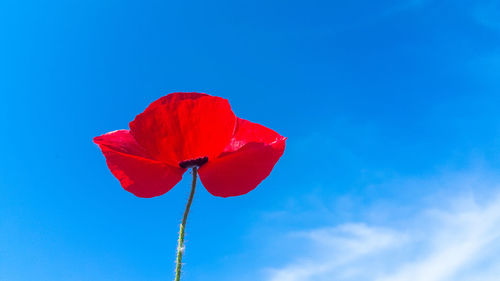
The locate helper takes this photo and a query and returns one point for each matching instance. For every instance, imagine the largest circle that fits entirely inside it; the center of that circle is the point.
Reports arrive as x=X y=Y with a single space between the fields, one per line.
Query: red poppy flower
x=183 y=130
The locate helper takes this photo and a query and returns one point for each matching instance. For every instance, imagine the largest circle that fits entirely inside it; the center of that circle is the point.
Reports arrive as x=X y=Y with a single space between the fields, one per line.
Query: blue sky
x=390 y=109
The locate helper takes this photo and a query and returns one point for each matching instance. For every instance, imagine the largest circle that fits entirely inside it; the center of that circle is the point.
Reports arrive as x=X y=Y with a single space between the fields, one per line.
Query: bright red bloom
x=182 y=130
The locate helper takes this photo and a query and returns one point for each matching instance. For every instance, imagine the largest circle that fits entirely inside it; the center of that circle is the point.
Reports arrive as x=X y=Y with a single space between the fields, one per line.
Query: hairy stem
x=180 y=247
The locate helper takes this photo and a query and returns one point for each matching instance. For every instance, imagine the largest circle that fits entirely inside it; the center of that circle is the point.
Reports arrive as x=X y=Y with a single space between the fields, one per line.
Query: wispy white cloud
x=334 y=248
x=457 y=239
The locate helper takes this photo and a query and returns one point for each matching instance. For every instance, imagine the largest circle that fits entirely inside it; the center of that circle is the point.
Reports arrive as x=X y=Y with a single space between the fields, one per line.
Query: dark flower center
x=193 y=162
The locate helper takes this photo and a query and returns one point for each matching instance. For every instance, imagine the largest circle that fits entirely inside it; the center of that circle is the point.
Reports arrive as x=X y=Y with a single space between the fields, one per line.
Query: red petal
x=134 y=168
x=247 y=132
x=247 y=160
x=184 y=126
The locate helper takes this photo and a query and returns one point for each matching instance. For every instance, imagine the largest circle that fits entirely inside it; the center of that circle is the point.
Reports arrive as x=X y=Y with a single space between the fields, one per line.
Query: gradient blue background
x=365 y=91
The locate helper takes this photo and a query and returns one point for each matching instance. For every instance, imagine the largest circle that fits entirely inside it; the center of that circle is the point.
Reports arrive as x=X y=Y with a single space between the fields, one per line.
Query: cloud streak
x=457 y=239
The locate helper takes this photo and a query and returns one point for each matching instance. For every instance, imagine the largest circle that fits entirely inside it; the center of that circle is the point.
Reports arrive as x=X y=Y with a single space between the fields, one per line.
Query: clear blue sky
x=391 y=109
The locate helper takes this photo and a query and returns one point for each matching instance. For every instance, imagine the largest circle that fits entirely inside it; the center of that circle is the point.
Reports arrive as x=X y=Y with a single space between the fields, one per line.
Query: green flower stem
x=180 y=247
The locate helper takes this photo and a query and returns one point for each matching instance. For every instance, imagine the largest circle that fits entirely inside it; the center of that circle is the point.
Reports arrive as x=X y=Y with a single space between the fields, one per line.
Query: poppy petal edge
x=237 y=173
x=136 y=172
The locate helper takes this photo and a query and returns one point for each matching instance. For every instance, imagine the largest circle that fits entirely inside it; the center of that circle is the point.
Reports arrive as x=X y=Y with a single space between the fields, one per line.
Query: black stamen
x=193 y=162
